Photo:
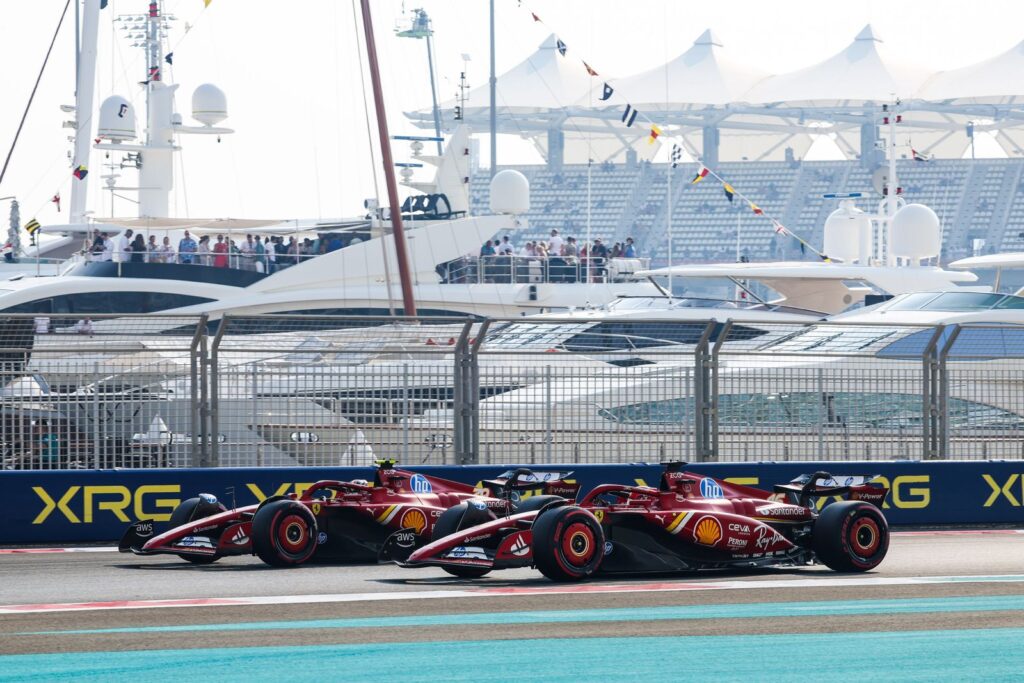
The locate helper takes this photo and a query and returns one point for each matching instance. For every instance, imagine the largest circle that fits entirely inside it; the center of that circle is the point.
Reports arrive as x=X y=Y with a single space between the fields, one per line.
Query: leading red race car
x=337 y=521
x=691 y=522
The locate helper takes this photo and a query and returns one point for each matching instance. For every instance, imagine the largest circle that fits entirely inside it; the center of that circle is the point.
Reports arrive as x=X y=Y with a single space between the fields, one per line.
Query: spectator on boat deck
x=84 y=326
x=555 y=243
x=187 y=248
x=236 y=254
x=630 y=250
x=570 y=248
x=541 y=250
x=124 y=245
x=96 y=248
x=528 y=250
x=259 y=253
x=616 y=250
x=334 y=244
x=152 y=250
x=599 y=250
x=165 y=251
x=108 y=248
x=220 y=250
x=280 y=253
x=203 y=251
x=138 y=249
x=487 y=249
x=293 y=251
x=505 y=248
x=248 y=250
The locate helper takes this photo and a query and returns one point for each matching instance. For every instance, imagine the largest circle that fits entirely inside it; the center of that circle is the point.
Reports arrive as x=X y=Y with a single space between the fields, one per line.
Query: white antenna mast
x=84 y=93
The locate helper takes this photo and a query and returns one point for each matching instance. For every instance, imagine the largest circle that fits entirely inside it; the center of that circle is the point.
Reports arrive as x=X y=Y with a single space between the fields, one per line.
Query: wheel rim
x=865 y=536
x=578 y=544
x=293 y=533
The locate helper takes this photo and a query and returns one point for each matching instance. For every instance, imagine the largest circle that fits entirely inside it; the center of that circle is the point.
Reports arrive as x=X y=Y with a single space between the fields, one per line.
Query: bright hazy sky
x=290 y=71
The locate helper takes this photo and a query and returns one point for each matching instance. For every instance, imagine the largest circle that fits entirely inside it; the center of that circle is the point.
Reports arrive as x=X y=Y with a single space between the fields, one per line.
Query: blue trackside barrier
x=71 y=506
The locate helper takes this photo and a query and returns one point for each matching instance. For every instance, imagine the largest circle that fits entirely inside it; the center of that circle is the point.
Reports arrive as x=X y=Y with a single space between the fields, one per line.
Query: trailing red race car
x=691 y=522
x=336 y=520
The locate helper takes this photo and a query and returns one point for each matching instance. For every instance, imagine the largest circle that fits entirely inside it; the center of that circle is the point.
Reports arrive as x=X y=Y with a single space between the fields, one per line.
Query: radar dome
x=848 y=234
x=117 y=119
x=915 y=233
x=209 y=105
x=510 y=192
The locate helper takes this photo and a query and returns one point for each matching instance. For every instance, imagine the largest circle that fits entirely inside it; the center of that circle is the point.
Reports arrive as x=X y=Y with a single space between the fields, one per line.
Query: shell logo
x=414 y=519
x=707 y=531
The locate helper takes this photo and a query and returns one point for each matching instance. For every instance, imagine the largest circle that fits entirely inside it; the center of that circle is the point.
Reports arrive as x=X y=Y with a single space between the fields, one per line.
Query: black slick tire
x=568 y=544
x=851 y=536
x=284 y=533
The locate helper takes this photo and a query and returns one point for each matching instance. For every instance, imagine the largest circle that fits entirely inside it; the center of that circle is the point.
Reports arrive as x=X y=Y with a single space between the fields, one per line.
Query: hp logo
x=420 y=484
x=709 y=488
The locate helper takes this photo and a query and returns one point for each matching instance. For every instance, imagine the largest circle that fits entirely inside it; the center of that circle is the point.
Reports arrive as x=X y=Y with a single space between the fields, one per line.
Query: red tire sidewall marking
x=876 y=536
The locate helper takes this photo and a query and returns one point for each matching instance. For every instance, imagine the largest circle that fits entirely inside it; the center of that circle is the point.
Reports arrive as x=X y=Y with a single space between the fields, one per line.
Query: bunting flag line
x=206 y=3
x=32 y=227
x=606 y=92
x=755 y=208
x=103 y=4
x=729 y=192
x=677 y=154
x=169 y=58
x=535 y=17
x=655 y=132
x=590 y=71
x=80 y=172
x=56 y=200
x=780 y=229
x=561 y=46
x=629 y=115
x=701 y=175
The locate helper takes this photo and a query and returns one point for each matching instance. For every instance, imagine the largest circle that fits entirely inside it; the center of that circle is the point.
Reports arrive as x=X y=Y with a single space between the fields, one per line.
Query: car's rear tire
x=851 y=536
x=191 y=510
x=453 y=519
x=568 y=543
x=284 y=533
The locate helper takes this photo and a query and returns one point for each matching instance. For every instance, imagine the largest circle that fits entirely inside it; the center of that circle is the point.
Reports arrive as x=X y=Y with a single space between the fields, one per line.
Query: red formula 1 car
x=337 y=520
x=689 y=523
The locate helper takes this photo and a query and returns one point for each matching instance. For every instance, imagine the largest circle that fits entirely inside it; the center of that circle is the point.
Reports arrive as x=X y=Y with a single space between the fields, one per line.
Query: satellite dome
x=117 y=119
x=915 y=233
x=510 y=192
x=848 y=234
x=209 y=105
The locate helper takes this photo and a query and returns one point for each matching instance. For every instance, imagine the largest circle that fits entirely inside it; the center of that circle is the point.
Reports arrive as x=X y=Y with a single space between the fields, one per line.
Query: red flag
x=756 y=209
x=56 y=200
x=589 y=70
x=701 y=174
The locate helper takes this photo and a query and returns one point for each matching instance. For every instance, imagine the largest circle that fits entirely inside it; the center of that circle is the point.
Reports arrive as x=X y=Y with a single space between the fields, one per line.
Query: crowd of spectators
x=262 y=254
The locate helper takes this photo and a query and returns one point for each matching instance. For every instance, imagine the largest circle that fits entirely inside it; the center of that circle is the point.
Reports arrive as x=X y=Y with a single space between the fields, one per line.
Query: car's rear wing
x=867 y=488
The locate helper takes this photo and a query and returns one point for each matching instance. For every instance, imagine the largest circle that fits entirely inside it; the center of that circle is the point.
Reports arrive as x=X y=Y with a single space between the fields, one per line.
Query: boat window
x=1011 y=301
x=847 y=410
x=963 y=301
x=911 y=302
x=526 y=335
x=832 y=339
x=973 y=343
x=94 y=303
x=622 y=335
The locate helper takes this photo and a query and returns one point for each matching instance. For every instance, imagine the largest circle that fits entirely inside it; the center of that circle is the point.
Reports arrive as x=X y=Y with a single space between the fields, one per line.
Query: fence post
x=466 y=395
x=929 y=395
x=214 y=362
x=197 y=356
x=713 y=416
x=702 y=393
x=943 y=390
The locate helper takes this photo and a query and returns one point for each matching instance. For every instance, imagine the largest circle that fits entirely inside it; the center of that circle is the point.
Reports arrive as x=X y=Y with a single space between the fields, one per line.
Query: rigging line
x=3 y=171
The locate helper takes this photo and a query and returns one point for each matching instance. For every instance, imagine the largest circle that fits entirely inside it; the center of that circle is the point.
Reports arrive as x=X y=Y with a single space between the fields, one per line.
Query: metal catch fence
x=159 y=391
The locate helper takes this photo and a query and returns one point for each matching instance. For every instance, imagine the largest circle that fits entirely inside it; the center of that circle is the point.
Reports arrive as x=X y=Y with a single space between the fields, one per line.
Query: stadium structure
x=753 y=129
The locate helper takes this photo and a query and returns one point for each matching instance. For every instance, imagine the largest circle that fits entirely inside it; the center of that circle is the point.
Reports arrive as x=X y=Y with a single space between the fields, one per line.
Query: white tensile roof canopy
x=757 y=115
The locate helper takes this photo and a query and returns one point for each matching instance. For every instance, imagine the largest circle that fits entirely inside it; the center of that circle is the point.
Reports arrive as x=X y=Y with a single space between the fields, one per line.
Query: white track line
x=110 y=549
x=511 y=591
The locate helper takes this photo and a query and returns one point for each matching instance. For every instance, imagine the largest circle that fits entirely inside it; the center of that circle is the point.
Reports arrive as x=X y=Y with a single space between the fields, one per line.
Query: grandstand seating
x=975 y=200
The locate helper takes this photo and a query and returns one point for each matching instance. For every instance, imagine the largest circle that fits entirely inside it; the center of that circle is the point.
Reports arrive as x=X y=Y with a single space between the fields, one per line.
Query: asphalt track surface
x=943 y=606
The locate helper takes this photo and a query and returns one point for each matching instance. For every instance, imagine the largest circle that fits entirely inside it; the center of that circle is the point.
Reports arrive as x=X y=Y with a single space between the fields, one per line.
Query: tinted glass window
x=977 y=343
x=624 y=335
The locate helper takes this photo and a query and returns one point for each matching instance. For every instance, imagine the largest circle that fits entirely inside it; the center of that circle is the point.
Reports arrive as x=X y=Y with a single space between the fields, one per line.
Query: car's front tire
x=453 y=519
x=284 y=533
x=568 y=543
x=193 y=510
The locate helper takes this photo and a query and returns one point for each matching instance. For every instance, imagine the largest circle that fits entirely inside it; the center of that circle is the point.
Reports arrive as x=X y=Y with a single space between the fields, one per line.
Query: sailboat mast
x=85 y=88
x=398 y=232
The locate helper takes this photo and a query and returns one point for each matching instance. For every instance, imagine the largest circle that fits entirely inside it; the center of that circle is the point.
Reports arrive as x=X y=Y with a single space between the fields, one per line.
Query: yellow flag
x=206 y=3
